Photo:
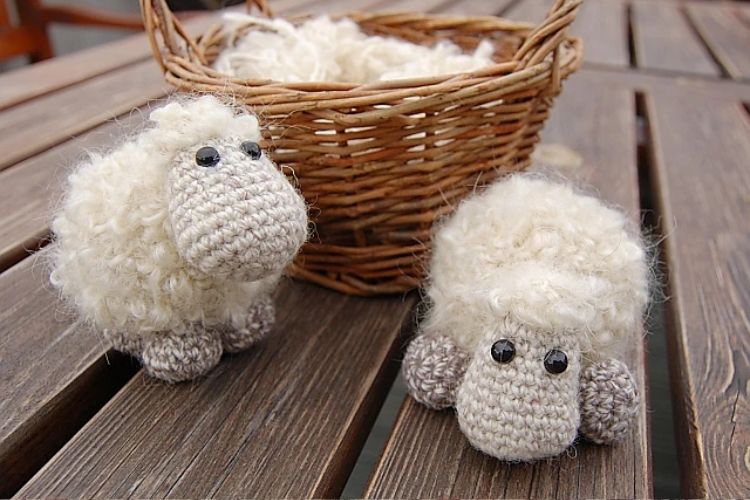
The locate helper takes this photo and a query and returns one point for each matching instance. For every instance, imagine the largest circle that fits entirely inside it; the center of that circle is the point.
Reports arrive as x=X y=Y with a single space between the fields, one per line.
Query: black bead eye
x=503 y=351
x=251 y=149
x=207 y=157
x=555 y=362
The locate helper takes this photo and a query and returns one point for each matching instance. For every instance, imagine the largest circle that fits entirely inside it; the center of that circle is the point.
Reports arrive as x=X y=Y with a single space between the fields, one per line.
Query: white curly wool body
x=114 y=256
x=543 y=255
x=321 y=49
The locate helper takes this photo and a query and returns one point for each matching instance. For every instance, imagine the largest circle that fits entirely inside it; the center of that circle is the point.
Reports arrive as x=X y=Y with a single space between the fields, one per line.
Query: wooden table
x=659 y=114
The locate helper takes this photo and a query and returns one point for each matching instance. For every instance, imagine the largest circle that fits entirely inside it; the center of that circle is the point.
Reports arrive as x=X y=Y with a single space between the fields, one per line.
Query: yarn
x=150 y=244
x=324 y=50
x=609 y=401
x=526 y=270
x=246 y=329
x=433 y=367
x=176 y=358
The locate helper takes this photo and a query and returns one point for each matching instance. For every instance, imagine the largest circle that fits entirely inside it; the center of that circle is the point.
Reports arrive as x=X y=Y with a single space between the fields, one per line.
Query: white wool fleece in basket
x=323 y=50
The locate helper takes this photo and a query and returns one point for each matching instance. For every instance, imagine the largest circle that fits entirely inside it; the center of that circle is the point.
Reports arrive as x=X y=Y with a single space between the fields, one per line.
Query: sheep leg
x=124 y=342
x=245 y=330
x=176 y=357
x=433 y=368
x=609 y=402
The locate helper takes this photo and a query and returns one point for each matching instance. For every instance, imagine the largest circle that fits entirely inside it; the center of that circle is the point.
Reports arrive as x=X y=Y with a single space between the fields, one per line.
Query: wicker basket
x=379 y=162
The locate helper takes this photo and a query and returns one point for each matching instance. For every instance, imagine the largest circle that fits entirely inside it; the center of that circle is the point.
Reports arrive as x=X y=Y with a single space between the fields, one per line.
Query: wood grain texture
x=426 y=454
x=77 y=92
x=531 y=11
x=601 y=23
x=285 y=419
x=48 y=76
x=32 y=127
x=30 y=190
x=53 y=375
x=722 y=28
x=663 y=40
x=640 y=80
x=703 y=186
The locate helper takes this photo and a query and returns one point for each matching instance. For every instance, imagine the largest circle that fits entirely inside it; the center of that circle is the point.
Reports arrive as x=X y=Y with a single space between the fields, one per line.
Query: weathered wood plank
x=532 y=11
x=426 y=454
x=81 y=101
x=39 y=124
x=703 y=181
x=722 y=28
x=744 y=12
x=285 y=419
x=30 y=190
x=53 y=74
x=664 y=40
x=601 y=23
x=53 y=375
x=645 y=81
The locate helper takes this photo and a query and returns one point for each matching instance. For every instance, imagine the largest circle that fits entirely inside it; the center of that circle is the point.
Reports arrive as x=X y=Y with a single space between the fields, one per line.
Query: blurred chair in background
x=29 y=36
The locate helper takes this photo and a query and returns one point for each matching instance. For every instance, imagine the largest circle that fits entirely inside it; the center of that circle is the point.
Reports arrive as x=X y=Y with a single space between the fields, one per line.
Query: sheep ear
x=608 y=400
x=433 y=368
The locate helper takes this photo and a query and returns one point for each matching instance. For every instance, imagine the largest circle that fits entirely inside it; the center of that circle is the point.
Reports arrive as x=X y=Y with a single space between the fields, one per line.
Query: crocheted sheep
x=535 y=290
x=171 y=244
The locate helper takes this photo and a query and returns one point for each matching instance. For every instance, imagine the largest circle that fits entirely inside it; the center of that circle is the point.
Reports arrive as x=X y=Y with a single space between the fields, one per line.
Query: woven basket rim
x=567 y=51
x=496 y=70
x=361 y=16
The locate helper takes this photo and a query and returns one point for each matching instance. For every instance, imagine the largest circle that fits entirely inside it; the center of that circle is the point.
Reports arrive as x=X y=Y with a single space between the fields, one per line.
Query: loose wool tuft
x=321 y=49
x=544 y=256
x=114 y=256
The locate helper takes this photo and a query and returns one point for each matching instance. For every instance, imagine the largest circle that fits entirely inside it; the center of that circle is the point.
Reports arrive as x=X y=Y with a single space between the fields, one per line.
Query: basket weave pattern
x=379 y=162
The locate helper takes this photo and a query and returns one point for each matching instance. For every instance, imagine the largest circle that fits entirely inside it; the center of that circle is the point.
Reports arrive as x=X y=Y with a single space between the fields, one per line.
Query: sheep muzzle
x=519 y=397
x=234 y=215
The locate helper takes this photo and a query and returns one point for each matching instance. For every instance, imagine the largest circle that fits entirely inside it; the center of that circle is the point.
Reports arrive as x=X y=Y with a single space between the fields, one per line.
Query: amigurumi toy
x=534 y=292
x=171 y=244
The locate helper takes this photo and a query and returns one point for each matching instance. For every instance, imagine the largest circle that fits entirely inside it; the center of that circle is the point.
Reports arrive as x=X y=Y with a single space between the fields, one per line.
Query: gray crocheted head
x=534 y=291
x=233 y=212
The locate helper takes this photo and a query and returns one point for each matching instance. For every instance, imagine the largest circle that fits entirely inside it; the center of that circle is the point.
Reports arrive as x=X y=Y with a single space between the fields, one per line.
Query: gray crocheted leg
x=249 y=329
x=125 y=342
x=609 y=402
x=179 y=357
x=433 y=367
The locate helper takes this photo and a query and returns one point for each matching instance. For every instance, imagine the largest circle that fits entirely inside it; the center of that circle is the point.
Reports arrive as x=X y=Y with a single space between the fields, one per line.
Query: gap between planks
x=706 y=249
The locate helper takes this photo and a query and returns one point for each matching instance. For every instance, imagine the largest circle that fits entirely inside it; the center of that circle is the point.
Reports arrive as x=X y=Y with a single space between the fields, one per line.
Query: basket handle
x=158 y=17
x=547 y=38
